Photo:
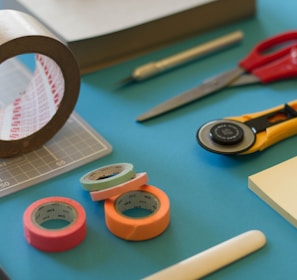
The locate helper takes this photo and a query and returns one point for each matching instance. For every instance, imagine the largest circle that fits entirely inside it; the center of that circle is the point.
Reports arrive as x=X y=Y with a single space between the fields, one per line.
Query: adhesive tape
x=54 y=208
x=139 y=180
x=39 y=112
x=136 y=229
x=107 y=176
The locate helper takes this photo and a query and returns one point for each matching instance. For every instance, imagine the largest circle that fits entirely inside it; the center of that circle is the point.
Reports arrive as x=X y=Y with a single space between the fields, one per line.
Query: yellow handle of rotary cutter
x=272 y=134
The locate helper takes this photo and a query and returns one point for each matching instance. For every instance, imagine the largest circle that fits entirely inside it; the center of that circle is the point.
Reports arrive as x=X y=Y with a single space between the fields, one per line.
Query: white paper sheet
x=80 y=19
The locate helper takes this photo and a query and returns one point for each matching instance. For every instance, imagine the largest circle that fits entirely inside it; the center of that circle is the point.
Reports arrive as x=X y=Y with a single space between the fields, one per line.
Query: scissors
x=249 y=133
x=260 y=65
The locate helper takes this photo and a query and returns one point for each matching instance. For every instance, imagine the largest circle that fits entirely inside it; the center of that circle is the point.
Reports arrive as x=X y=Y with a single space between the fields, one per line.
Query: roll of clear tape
x=44 y=106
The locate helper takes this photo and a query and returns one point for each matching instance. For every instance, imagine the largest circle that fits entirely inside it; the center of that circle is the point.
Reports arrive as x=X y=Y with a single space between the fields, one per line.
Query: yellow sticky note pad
x=277 y=186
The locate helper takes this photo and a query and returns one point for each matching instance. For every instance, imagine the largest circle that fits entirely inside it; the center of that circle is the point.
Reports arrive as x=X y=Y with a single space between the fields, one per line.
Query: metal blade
x=206 y=88
x=245 y=79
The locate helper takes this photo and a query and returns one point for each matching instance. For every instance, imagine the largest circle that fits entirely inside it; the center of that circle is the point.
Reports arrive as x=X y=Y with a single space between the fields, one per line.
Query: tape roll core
x=137 y=199
x=22 y=34
x=136 y=229
x=59 y=239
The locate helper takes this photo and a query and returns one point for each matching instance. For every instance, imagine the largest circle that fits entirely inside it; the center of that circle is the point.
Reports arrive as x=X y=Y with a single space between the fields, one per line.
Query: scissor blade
x=245 y=79
x=206 y=88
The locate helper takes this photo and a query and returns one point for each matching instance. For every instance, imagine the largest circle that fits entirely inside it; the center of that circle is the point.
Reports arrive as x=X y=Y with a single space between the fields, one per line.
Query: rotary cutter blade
x=226 y=136
x=251 y=132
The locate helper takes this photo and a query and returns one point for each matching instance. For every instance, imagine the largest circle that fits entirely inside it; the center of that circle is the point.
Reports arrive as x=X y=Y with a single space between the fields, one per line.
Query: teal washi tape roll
x=107 y=176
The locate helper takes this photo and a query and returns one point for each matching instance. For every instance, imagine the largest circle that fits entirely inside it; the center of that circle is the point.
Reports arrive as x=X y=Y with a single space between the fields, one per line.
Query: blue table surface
x=209 y=195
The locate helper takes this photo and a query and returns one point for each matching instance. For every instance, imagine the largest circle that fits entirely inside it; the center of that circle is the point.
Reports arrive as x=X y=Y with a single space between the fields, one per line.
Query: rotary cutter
x=251 y=132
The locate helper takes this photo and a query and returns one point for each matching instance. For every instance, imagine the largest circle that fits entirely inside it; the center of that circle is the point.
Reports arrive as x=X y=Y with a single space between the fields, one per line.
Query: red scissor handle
x=283 y=68
x=257 y=57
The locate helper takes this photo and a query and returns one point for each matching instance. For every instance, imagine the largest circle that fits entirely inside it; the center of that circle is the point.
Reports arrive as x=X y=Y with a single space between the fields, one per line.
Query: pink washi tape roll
x=140 y=179
x=54 y=208
x=33 y=116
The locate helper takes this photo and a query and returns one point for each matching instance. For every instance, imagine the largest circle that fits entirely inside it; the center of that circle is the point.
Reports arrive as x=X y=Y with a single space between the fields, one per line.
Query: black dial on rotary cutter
x=226 y=133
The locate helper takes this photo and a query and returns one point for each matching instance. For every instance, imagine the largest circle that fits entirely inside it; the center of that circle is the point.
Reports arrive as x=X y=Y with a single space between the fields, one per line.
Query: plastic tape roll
x=135 y=229
x=58 y=239
x=107 y=176
x=139 y=180
x=36 y=114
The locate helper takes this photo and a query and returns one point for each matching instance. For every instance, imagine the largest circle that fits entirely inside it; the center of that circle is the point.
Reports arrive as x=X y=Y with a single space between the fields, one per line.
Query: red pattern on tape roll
x=46 y=104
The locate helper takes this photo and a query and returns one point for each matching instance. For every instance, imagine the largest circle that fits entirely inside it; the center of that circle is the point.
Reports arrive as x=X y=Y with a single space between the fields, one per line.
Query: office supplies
x=153 y=68
x=249 y=133
x=214 y=258
x=74 y=145
x=133 y=184
x=277 y=187
x=52 y=209
x=263 y=65
x=107 y=176
x=37 y=114
x=103 y=33
x=146 y=197
x=3 y=275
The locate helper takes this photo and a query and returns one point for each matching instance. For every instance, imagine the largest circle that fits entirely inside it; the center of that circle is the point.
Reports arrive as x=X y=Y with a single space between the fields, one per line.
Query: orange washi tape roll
x=137 y=181
x=54 y=208
x=146 y=197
